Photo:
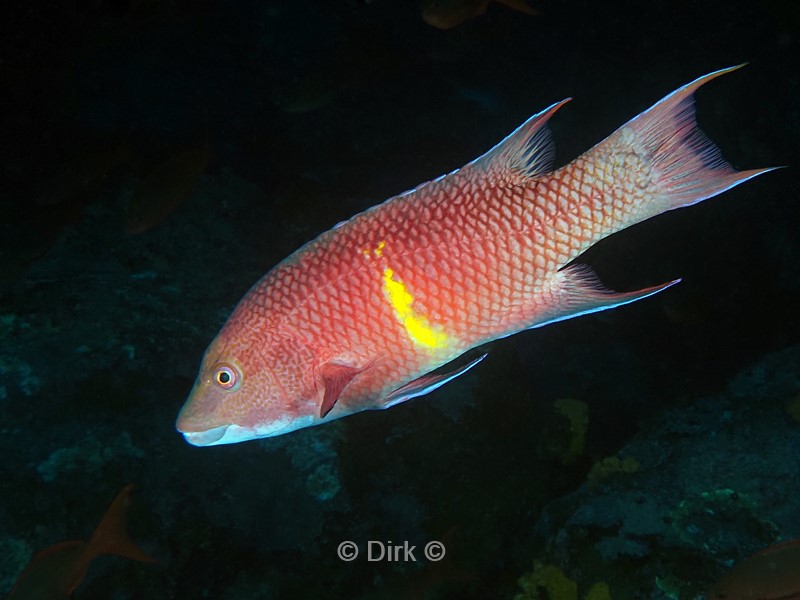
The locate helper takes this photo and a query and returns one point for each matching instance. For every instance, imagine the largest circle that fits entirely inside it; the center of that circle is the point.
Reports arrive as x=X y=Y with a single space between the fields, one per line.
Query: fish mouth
x=210 y=437
x=224 y=434
x=233 y=434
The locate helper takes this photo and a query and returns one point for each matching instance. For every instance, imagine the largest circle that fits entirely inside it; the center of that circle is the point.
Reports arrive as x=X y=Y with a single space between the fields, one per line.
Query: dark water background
x=313 y=111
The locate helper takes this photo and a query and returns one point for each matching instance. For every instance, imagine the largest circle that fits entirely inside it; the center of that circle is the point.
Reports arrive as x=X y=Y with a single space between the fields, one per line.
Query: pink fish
x=359 y=317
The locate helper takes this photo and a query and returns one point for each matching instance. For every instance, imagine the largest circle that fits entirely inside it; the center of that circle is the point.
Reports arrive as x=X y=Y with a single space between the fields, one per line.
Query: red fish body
x=358 y=318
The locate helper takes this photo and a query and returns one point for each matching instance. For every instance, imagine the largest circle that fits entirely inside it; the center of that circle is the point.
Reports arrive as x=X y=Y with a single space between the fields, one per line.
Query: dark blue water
x=646 y=449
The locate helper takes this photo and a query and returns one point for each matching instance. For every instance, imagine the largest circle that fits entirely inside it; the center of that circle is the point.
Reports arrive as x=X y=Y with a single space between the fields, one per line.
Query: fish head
x=251 y=385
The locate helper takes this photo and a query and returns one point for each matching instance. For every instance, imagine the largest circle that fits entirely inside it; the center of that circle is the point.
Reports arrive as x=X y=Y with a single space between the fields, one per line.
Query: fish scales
x=359 y=317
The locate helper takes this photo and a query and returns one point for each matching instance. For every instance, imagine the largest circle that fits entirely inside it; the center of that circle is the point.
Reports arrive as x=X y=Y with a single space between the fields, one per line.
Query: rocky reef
x=702 y=486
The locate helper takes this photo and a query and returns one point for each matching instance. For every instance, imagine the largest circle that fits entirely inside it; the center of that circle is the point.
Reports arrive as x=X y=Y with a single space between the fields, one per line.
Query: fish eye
x=226 y=376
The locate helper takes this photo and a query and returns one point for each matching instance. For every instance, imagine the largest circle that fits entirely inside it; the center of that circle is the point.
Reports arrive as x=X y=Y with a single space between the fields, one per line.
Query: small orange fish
x=56 y=572
x=446 y=14
x=164 y=189
x=772 y=574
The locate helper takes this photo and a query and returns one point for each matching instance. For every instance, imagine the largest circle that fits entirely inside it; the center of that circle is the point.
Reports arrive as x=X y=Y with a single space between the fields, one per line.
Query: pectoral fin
x=335 y=378
x=427 y=383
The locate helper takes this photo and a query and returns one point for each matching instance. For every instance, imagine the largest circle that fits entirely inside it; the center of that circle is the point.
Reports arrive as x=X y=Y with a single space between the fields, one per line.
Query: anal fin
x=578 y=291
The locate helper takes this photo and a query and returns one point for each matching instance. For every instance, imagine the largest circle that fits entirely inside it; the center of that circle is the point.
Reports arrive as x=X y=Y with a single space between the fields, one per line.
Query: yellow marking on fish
x=377 y=251
x=416 y=325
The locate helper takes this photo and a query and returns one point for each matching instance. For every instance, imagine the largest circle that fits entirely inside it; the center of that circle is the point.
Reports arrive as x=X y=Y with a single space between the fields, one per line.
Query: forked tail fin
x=656 y=162
x=688 y=167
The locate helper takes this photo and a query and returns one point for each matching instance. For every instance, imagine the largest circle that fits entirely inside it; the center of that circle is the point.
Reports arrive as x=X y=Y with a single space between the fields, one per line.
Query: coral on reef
x=564 y=438
x=697 y=521
x=546 y=582
x=577 y=412
x=599 y=591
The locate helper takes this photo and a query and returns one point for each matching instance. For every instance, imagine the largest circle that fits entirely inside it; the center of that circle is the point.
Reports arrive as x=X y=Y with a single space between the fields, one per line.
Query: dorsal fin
x=528 y=151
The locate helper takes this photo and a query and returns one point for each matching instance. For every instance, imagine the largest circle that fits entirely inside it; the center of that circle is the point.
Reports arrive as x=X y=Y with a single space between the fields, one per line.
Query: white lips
x=233 y=434
x=209 y=437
